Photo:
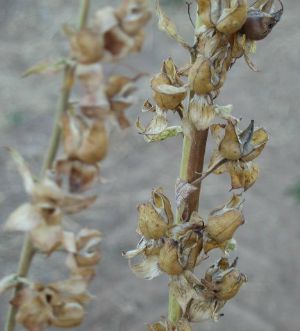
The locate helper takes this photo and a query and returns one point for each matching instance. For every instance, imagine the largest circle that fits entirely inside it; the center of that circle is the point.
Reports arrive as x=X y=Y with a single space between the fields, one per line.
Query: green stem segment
x=28 y=251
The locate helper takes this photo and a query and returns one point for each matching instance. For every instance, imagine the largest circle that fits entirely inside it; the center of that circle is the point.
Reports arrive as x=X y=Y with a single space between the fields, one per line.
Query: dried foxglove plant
x=177 y=244
x=112 y=34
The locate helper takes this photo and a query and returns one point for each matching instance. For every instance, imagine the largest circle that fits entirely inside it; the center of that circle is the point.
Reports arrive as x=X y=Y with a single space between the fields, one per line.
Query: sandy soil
x=269 y=242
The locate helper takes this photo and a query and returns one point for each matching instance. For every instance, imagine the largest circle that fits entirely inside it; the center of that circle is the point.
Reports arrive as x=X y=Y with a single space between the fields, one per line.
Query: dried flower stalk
x=113 y=34
x=224 y=32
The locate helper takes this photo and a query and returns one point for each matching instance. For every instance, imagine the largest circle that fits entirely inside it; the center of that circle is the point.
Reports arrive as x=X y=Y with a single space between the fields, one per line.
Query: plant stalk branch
x=28 y=252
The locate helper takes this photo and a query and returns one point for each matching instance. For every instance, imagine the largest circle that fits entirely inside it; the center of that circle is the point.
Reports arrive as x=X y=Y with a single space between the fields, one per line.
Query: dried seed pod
x=205 y=76
x=233 y=18
x=169 y=259
x=165 y=94
x=150 y=224
x=222 y=227
x=86 y=46
x=229 y=284
x=230 y=147
x=133 y=15
x=260 y=23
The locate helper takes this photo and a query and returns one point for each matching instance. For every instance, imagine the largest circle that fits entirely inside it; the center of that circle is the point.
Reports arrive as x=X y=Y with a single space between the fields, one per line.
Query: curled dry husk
x=236 y=151
x=203 y=299
x=207 y=74
x=225 y=220
x=59 y=304
x=226 y=16
x=122 y=28
x=168 y=89
x=84 y=140
x=162 y=243
x=42 y=217
x=84 y=253
x=86 y=45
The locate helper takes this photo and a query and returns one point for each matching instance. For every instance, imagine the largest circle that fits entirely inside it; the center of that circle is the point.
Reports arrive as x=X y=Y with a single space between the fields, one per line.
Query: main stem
x=192 y=161
x=28 y=251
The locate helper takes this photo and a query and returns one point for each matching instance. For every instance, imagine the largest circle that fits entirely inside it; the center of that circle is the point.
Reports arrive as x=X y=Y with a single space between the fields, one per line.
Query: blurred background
x=268 y=243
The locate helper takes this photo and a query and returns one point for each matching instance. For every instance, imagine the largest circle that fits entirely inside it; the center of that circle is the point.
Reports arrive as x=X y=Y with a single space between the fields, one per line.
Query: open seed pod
x=223 y=280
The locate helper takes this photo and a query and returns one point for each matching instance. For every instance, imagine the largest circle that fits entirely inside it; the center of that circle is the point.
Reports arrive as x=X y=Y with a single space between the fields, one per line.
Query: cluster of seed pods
x=228 y=31
x=113 y=34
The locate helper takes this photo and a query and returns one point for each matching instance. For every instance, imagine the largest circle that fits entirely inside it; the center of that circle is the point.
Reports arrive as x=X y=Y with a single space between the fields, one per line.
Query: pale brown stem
x=28 y=252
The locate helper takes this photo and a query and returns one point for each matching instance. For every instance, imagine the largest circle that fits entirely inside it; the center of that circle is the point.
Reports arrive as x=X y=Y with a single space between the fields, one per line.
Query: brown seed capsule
x=222 y=227
x=169 y=260
x=150 y=224
x=87 y=46
x=232 y=19
x=165 y=99
x=259 y=23
x=230 y=284
x=229 y=147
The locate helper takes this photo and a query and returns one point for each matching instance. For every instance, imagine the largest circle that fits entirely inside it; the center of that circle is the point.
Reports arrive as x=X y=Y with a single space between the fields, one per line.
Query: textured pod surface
x=169 y=260
x=222 y=227
x=150 y=223
x=232 y=19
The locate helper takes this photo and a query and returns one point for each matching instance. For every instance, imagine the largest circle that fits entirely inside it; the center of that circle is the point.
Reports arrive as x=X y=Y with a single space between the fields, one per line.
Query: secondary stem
x=28 y=252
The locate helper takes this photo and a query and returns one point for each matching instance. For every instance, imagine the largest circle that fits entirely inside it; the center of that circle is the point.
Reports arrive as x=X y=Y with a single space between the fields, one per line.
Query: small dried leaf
x=25 y=218
x=47 y=67
x=23 y=169
x=166 y=25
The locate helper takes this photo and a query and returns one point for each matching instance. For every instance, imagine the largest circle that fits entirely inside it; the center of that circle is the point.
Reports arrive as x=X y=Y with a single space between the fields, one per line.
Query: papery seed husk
x=150 y=224
x=230 y=284
x=204 y=10
x=200 y=311
x=200 y=76
x=222 y=227
x=69 y=315
x=87 y=46
x=80 y=176
x=232 y=19
x=230 y=147
x=169 y=260
x=165 y=101
x=95 y=144
x=201 y=113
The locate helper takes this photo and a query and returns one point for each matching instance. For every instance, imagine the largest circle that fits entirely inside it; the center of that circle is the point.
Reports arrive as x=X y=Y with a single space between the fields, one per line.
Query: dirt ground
x=269 y=242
